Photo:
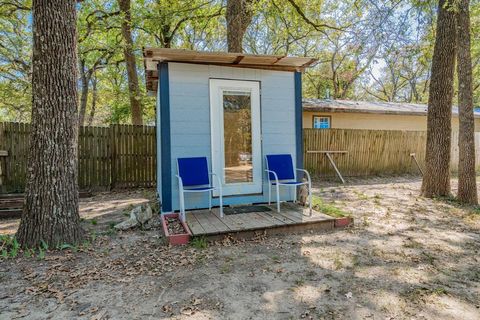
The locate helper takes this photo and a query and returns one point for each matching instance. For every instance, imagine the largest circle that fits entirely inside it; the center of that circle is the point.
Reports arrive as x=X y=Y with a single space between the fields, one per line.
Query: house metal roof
x=349 y=106
x=152 y=56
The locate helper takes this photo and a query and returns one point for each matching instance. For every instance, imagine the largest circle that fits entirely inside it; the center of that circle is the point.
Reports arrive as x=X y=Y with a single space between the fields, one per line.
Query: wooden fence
x=119 y=156
x=124 y=156
x=371 y=152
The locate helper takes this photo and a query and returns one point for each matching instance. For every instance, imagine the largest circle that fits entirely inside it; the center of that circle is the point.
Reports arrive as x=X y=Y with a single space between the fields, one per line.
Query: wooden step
x=10 y=213
x=17 y=203
x=16 y=196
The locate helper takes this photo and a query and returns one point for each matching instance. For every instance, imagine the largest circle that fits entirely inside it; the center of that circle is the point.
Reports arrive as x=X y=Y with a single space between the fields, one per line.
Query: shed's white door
x=236 y=140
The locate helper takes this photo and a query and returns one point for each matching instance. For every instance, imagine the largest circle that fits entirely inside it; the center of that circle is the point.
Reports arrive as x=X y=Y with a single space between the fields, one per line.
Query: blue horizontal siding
x=190 y=120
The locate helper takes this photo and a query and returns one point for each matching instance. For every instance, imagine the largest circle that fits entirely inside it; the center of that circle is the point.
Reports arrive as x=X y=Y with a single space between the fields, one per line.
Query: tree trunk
x=239 y=15
x=51 y=198
x=436 y=180
x=94 y=98
x=467 y=184
x=84 y=80
x=133 y=87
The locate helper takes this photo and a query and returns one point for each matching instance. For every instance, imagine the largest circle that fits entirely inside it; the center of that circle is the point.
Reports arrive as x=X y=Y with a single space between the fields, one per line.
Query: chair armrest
x=306 y=173
x=180 y=181
x=274 y=174
x=218 y=180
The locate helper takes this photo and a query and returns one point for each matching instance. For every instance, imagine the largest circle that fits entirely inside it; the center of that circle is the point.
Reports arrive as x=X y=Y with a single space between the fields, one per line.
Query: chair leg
x=210 y=200
x=295 y=194
x=269 y=193
x=182 y=206
x=310 y=197
x=278 y=198
x=221 y=204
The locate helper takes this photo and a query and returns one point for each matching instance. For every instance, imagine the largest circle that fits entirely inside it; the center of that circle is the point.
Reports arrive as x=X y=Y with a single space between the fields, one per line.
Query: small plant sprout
x=199 y=243
x=276 y=259
x=9 y=246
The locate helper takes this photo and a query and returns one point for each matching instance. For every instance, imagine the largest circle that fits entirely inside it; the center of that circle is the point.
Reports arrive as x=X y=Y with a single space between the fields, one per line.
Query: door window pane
x=237 y=130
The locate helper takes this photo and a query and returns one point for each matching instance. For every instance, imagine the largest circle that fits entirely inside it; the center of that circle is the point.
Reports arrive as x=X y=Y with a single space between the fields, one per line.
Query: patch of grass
x=365 y=223
x=111 y=231
x=199 y=242
x=65 y=246
x=475 y=210
x=226 y=268
x=327 y=208
x=9 y=246
x=355 y=261
x=299 y=282
x=28 y=253
x=93 y=222
x=429 y=258
x=412 y=244
x=360 y=195
x=93 y=236
x=311 y=274
x=41 y=254
x=276 y=259
x=448 y=199
x=388 y=214
x=337 y=263
x=440 y=291
x=420 y=292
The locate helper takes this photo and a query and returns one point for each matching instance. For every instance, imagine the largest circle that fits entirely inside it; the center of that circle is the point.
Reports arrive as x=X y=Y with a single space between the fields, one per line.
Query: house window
x=321 y=122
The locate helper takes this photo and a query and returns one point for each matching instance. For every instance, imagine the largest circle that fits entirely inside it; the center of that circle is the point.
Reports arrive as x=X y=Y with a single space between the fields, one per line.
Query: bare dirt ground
x=406 y=258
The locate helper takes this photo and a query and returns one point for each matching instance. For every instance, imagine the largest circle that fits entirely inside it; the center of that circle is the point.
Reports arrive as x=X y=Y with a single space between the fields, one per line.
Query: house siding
x=190 y=121
x=355 y=120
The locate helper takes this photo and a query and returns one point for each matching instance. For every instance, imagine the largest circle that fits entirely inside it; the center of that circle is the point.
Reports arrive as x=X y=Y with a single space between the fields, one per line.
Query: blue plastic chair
x=282 y=173
x=193 y=176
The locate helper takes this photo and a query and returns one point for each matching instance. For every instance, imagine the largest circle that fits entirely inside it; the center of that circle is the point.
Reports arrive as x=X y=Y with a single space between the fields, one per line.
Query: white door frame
x=217 y=87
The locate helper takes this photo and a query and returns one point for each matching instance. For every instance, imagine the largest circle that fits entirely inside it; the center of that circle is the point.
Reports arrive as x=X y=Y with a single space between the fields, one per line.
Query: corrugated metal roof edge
x=325 y=105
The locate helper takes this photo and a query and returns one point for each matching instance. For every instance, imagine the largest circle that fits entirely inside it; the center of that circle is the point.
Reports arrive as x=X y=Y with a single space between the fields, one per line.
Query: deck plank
x=273 y=221
x=267 y=220
x=194 y=225
x=217 y=222
x=280 y=217
x=236 y=222
x=296 y=212
x=246 y=220
x=202 y=219
x=290 y=215
x=232 y=223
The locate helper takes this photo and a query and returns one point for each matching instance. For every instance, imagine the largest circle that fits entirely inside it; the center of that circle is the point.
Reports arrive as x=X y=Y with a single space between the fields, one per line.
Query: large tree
x=239 y=15
x=51 y=197
x=467 y=183
x=436 y=180
x=133 y=86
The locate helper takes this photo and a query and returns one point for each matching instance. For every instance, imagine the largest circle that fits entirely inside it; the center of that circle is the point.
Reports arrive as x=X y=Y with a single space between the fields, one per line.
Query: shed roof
x=350 y=106
x=240 y=60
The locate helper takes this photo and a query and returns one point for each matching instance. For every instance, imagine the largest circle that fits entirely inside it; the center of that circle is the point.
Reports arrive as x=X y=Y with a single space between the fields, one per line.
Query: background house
x=344 y=114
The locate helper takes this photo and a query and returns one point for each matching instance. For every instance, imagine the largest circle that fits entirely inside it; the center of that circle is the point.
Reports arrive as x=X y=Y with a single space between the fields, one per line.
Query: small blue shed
x=231 y=108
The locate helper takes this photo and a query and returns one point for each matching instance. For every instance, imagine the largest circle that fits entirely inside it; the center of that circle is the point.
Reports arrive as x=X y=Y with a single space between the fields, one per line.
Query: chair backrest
x=282 y=165
x=193 y=171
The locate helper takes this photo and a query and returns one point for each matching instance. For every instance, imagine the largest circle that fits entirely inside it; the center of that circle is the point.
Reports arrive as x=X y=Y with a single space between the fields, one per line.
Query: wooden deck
x=292 y=218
